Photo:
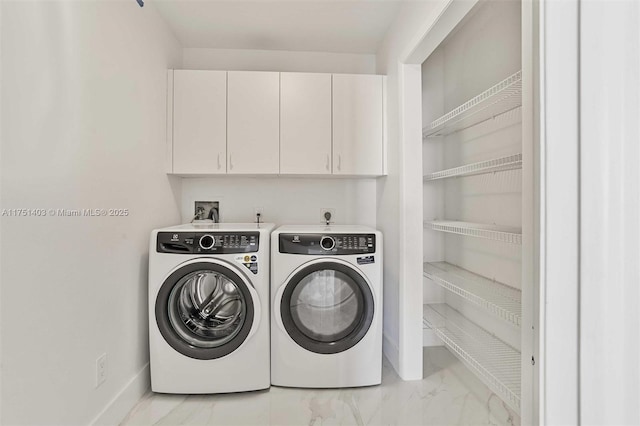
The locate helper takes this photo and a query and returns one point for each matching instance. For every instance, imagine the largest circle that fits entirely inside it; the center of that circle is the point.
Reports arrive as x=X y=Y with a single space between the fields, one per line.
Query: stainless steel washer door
x=327 y=307
x=204 y=310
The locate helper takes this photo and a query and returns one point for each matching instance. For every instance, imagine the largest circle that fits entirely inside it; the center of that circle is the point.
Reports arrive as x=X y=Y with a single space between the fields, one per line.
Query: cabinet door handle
x=339 y=162
x=327 y=162
x=230 y=161
x=219 y=165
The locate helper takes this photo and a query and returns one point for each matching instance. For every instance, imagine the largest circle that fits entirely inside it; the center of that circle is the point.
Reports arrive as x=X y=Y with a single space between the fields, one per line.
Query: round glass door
x=327 y=307
x=204 y=310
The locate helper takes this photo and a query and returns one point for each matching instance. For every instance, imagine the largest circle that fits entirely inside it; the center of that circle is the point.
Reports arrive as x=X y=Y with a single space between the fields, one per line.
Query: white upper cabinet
x=199 y=122
x=269 y=123
x=305 y=123
x=253 y=128
x=357 y=124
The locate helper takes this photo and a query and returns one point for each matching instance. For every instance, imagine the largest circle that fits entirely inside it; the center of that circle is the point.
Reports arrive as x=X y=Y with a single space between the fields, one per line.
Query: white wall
x=278 y=60
x=559 y=364
x=1 y=204
x=284 y=201
x=83 y=113
x=392 y=192
x=609 y=213
x=433 y=105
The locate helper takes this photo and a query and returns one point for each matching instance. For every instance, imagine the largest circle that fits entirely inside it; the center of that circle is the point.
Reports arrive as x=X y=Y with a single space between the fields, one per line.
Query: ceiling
x=342 y=26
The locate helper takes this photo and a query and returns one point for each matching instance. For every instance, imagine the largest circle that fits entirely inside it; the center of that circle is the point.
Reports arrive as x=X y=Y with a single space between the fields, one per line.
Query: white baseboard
x=125 y=400
x=391 y=352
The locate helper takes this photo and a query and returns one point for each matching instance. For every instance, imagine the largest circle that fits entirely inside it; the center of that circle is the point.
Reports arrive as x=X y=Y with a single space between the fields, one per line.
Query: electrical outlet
x=327 y=214
x=101 y=369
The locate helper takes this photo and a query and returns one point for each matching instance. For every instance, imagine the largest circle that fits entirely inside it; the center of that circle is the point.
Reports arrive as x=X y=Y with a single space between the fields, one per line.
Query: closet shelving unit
x=505 y=234
x=499 y=99
x=502 y=164
x=494 y=297
x=495 y=362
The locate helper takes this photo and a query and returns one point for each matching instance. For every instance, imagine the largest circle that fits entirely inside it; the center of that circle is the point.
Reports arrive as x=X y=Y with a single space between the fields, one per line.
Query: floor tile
x=449 y=394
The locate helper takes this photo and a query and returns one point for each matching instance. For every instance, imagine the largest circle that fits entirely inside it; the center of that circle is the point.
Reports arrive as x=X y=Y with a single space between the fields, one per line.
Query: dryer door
x=327 y=307
x=206 y=309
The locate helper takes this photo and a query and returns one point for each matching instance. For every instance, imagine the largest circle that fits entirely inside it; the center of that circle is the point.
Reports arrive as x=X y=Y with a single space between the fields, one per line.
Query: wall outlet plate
x=207 y=210
x=258 y=214
x=331 y=211
x=101 y=369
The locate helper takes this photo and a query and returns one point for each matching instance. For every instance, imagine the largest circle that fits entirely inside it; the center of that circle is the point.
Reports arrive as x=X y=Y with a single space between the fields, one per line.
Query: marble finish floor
x=449 y=394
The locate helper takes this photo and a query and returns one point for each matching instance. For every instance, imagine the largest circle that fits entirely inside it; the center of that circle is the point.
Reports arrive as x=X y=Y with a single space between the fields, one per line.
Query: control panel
x=330 y=244
x=208 y=242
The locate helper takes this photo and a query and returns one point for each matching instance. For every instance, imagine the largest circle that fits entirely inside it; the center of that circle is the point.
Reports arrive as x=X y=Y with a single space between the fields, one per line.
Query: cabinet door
x=199 y=122
x=357 y=124
x=253 y=132
x=305 y=123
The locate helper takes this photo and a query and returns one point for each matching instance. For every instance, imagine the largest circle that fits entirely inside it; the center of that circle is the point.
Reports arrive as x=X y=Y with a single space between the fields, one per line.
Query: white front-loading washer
x=209 y=308
x=326 y=306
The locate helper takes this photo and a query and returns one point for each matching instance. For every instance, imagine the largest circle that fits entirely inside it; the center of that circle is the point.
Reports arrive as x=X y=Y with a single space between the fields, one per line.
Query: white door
x=206 y=310
x=253 y=132
x=305 y=123
x=199 y=122
x=357 y=124
x=325 y=307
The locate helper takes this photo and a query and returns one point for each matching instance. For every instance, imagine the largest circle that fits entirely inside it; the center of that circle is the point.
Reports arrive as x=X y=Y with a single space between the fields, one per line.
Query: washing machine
x=326 y=311
x=209 y=308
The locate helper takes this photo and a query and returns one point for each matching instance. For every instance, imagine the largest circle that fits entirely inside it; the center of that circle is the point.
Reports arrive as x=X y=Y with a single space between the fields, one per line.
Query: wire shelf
x=497 y=298
x=501 y=98
x=505 y=234
x=502 y=164
x=426 y=317
x=495 y=362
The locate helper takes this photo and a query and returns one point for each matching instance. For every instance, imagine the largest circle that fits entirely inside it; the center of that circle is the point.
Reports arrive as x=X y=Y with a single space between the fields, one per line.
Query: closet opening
x=479 y=290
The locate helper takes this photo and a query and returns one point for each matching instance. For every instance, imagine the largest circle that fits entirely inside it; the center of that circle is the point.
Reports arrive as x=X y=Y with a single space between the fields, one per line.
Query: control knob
x=327 y=243
x=207 y=242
